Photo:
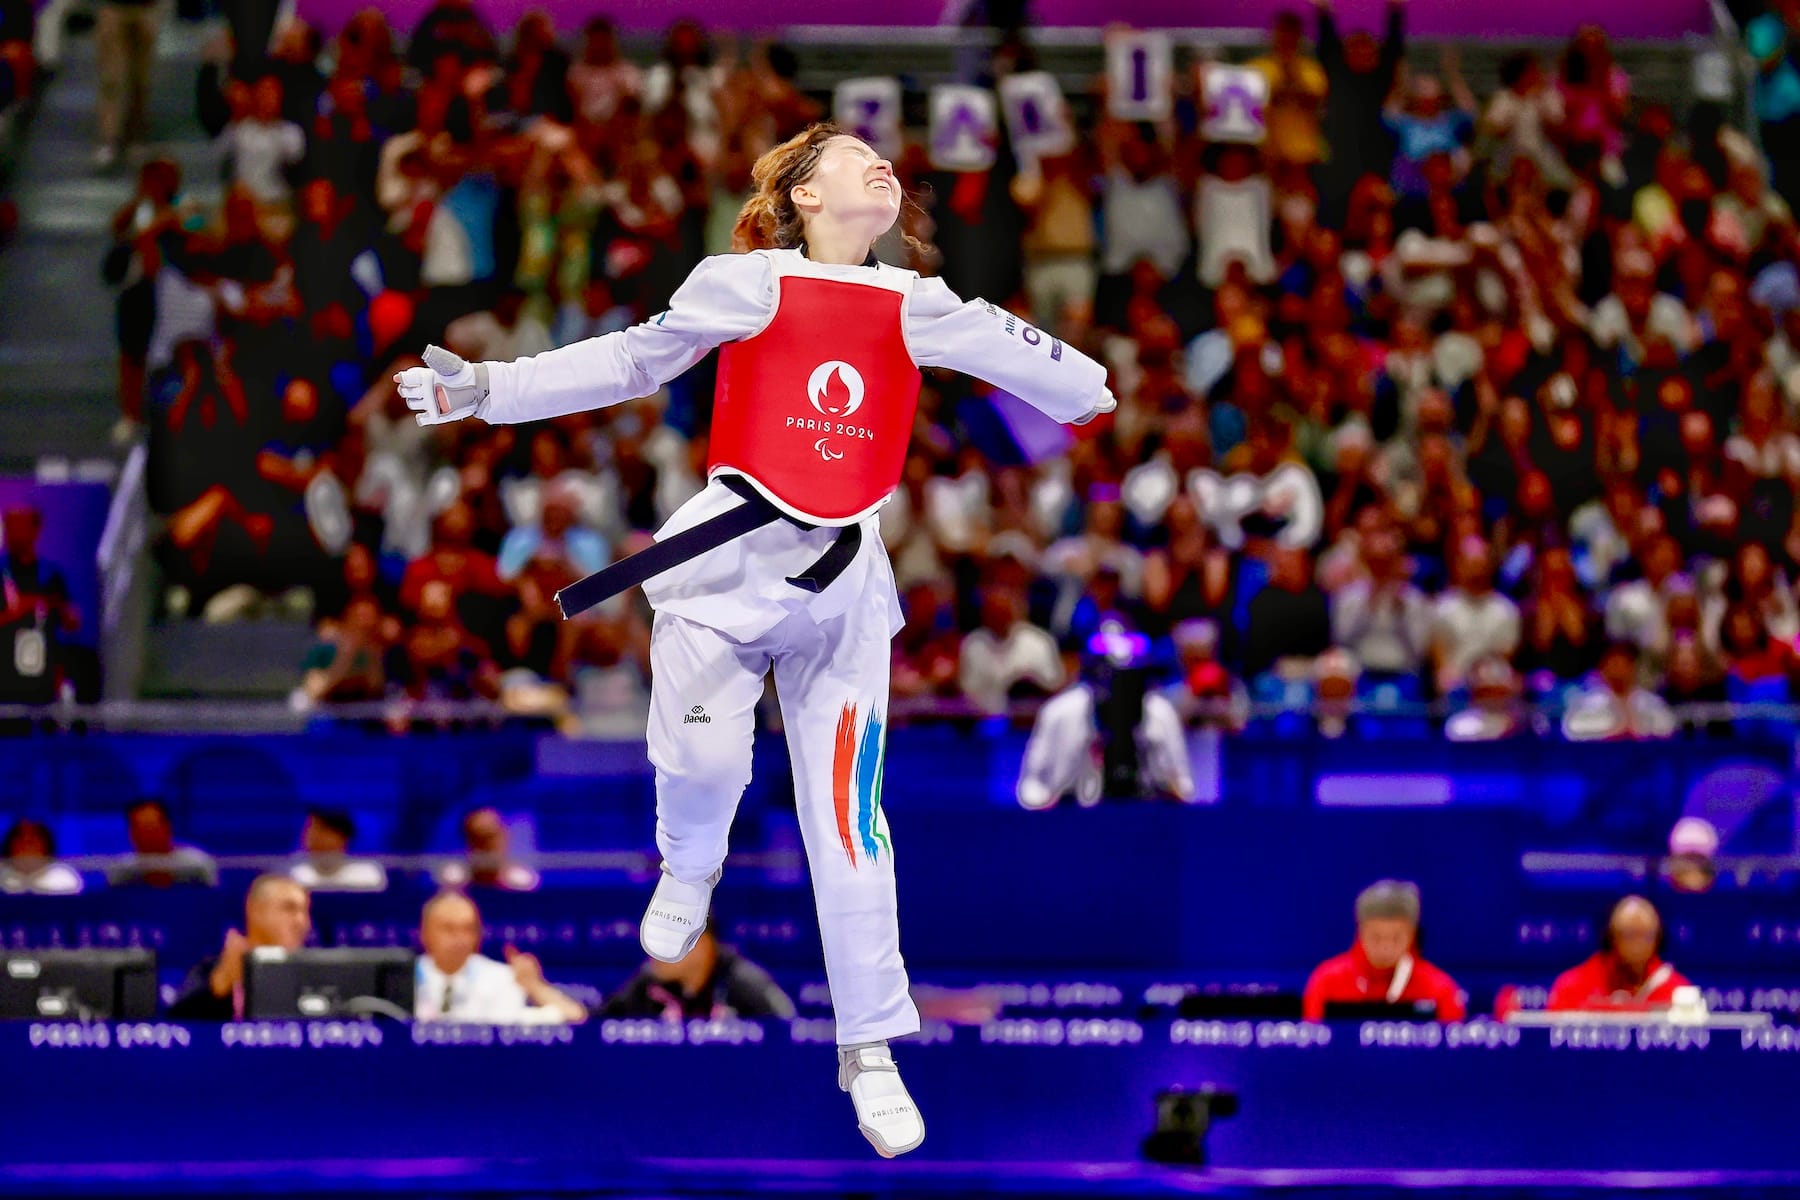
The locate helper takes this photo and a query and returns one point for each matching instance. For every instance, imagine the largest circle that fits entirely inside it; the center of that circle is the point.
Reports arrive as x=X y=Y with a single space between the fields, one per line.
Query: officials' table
x=1048 y=1106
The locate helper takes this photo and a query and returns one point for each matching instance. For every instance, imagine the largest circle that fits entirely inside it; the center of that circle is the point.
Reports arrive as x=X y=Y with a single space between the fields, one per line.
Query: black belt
x=755 y=512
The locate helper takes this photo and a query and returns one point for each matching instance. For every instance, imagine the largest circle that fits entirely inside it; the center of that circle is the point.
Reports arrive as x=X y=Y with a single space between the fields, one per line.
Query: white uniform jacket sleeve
x=729 y=296
x=979 y=339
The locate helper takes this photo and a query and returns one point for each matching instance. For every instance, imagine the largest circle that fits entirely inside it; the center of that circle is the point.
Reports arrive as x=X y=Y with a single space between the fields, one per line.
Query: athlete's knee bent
x=706 y=762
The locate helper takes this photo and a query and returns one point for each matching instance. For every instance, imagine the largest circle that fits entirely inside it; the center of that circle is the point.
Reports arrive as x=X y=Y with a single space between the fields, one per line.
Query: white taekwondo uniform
x=822 y=387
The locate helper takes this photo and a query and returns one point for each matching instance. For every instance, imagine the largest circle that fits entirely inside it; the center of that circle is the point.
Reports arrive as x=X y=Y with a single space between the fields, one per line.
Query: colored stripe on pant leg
x=843 y=762
x=868 y=785
x=880 y=774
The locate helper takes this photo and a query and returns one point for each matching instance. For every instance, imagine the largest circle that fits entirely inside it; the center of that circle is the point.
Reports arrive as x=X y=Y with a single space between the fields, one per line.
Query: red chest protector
x=816 y=410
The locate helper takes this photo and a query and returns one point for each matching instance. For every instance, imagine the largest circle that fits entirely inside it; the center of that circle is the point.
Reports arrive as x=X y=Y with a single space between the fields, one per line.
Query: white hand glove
x=445 y=389
x=1105 y=404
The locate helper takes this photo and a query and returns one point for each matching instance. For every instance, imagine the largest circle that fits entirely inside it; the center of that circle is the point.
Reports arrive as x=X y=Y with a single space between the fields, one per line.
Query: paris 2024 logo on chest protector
x=841 y=400
x=835 y=389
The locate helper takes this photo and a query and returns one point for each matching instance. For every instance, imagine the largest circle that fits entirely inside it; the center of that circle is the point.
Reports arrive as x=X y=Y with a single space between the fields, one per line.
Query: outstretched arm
x=1393 y=45
x=979 y=339
x=1328 y=44
x=728 y=296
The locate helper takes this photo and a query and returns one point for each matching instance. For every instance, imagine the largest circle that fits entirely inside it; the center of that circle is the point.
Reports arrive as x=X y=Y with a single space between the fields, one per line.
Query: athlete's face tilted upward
x=852 y=186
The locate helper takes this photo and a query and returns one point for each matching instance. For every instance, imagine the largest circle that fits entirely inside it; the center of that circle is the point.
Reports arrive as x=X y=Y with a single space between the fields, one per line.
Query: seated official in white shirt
x=458 y=983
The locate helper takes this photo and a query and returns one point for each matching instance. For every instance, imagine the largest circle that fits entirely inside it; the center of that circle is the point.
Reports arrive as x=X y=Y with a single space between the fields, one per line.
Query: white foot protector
x=676 y=917
x=885 y=1111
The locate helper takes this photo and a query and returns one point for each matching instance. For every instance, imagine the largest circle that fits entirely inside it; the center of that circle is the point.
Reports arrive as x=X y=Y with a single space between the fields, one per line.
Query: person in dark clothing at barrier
x=1290 y=618
x=712 y=982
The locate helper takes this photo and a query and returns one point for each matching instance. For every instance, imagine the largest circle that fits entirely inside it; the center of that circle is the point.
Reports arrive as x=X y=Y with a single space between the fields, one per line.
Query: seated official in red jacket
x=1628 y=974
x=1383 y=966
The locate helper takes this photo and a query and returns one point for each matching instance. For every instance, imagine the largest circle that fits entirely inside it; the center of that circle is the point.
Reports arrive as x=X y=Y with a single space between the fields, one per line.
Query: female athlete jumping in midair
x=779 y=561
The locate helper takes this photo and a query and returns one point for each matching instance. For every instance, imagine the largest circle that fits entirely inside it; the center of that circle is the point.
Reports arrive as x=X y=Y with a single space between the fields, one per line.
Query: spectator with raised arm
x=1360 y=74
x=1429 y=120
x=1141 y=217
x=1297 y=93
x=277 y=915
x=456 y=982
x=1525 y=118
x=1595 y=90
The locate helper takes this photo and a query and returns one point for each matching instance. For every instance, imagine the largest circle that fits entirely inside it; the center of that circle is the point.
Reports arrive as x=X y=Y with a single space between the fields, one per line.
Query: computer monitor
x=78 y=985
x=328 y=983
x=1239 y=1006
x=1380 y=1010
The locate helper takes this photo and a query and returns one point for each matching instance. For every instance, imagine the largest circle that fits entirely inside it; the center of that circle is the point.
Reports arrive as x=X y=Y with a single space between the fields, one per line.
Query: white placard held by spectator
x=1237 y=101
x=1287 y=498
x=870 y=108
x=1712 y=76
x=1037 y=117
x=965 y=127
x=1139 y=72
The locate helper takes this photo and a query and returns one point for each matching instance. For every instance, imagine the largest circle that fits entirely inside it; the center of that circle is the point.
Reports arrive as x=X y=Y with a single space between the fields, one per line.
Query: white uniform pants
x=832 y=678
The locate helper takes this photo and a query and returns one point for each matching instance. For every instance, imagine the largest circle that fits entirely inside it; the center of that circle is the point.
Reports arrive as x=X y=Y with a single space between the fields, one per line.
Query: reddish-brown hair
x=769 y=220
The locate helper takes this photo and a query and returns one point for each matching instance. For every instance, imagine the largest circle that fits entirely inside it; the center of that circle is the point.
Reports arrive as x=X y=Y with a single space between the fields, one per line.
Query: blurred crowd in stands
x=1430 y=397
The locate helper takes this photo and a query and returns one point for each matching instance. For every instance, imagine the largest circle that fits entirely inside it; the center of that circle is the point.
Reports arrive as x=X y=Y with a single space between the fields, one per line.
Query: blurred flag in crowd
x=1011 y=432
